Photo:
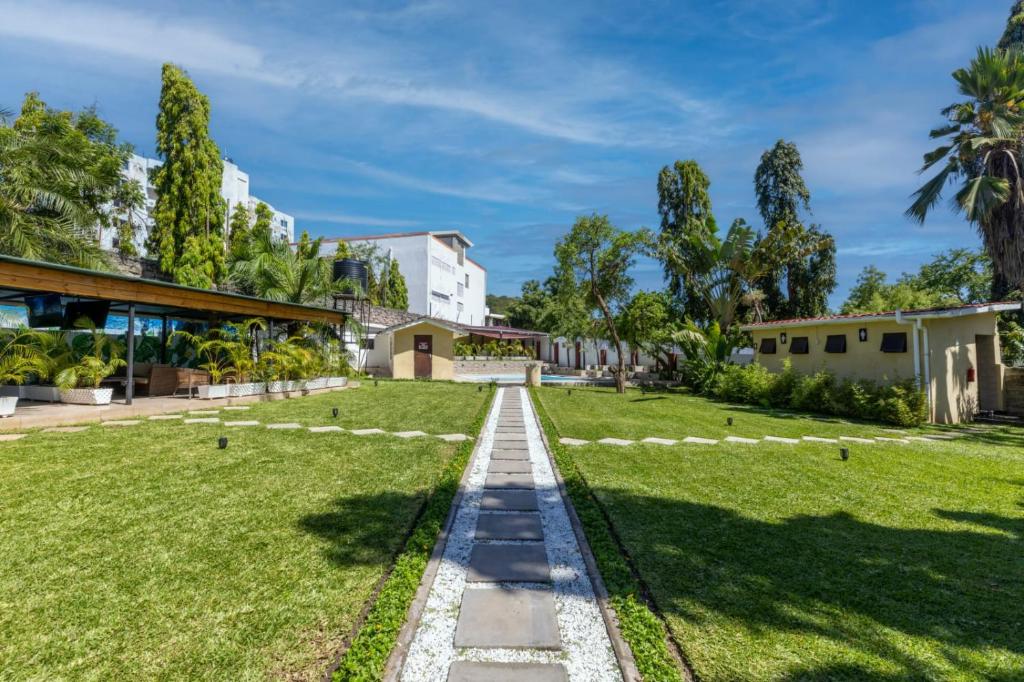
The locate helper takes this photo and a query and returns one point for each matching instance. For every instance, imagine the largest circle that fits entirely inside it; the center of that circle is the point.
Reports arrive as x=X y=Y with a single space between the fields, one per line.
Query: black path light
x=334 y=412
x=844 y=454
x=480 y=388
x=375 y=382
x=222 y=442
x=728 y=421
x=569 y=391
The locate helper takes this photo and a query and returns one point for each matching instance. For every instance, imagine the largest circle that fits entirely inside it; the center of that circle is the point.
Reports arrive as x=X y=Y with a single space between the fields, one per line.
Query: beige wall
x=952 y=350
x=402 y=352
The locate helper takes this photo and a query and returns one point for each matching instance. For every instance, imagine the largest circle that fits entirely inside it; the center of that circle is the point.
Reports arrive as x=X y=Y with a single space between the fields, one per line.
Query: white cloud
x=348 y=219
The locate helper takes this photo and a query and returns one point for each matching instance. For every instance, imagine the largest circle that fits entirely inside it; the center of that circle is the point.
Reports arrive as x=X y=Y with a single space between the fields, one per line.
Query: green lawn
x=783 y=562
x=145 y=552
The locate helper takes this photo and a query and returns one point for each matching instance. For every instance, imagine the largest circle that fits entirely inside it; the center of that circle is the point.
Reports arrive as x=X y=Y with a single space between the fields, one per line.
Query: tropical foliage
x=707 y=353
x=270 y=268
x=980 y=155
x=95 y=357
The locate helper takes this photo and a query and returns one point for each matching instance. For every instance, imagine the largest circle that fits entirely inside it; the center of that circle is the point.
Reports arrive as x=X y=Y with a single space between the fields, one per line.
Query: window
x=438 y=296
x=367 y=344
x=460 y=290
x=467 y=280
x=442 y=266
x=894 y=342
x=767 y=346
x=835 y=343
x=799 y=345
x=461 y=307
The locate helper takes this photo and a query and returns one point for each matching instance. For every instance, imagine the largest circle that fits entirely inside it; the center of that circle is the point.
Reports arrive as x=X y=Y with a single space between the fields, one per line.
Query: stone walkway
x=511 y=598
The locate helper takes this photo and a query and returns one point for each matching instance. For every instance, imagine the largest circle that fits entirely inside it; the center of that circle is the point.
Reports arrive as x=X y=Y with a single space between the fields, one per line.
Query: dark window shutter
x=835 y=343
x=767 y=346
x=894 y=342
x=799 y=345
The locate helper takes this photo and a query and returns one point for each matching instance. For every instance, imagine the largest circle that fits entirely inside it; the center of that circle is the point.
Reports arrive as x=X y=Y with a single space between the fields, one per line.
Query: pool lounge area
x=555 y=379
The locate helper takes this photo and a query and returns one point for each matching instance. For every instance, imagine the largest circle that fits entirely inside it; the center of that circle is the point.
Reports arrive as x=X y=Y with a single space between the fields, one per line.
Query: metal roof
x=923 y=313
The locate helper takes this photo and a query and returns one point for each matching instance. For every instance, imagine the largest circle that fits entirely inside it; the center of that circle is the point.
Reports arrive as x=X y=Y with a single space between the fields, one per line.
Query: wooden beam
x=70 y=282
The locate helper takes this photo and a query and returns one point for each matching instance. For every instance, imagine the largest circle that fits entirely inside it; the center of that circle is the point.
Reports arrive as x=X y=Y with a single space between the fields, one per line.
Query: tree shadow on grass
x=958 y=587
x=364 y=529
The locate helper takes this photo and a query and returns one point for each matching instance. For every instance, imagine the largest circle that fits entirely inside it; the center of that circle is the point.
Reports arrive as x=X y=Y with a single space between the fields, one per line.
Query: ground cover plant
x=143 y=552
x=782 y=561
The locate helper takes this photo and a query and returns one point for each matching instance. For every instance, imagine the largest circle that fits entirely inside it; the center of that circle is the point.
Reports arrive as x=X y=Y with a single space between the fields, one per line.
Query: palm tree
x=982 y=153
x=42 y=217
x=271 y=269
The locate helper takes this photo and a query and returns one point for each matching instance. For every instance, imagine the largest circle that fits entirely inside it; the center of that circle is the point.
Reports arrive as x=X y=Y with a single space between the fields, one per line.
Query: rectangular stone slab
x=518 y=526
x=508 y=500
x=474 y=671
x=508 y=563
x=510 y=436
x=509 y=482
x=506 y=453
x=510 y=466
x=507 y=619
x=506 y=444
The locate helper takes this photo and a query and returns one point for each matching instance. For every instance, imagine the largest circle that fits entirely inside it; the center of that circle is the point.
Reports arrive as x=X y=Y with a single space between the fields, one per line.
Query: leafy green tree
x=1013 y=36
x=58 y=172
x=276 y=271
x=593 y=263
x=532 y=308
x=981 y=155
x=129 y=201
x=397 y=293
x=648 y=324
x=239 y=233
x=685 y=209
x=342 y=251
x=264 y=218
x=804 y=258
x=189 y=216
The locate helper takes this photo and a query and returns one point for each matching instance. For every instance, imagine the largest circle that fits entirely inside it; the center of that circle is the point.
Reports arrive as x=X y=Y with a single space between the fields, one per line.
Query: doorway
x=423 y=347
x=988 y=372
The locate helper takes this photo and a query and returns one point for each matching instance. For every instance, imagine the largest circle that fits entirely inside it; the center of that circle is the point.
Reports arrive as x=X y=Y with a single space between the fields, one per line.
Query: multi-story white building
x=442 y=280
x=234 y=187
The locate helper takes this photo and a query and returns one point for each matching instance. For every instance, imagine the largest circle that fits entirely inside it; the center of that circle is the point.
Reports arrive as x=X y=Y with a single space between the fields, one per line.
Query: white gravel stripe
x=586 y=650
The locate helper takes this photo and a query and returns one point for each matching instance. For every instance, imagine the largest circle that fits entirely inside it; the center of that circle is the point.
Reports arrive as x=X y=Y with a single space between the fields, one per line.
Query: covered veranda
x=505 y=335
x=136 y=299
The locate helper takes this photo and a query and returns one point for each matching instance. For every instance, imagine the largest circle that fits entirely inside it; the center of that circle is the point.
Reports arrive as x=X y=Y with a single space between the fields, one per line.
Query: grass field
x=145 y=552
x=783 y=562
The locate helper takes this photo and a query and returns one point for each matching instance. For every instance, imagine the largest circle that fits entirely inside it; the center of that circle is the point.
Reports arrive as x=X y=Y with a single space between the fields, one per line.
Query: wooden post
x=129 y=387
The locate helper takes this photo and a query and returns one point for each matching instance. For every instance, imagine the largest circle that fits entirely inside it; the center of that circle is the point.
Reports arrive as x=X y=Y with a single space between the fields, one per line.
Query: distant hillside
x=499 y=304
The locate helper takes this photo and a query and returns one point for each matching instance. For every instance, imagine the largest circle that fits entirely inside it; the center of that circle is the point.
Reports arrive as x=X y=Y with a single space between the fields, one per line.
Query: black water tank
x=354 y=271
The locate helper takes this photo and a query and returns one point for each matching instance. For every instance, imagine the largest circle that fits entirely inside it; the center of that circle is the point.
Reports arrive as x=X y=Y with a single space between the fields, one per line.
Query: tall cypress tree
x=685 y=209
x=188 y=236
x=1013 y=36
x=397 y=291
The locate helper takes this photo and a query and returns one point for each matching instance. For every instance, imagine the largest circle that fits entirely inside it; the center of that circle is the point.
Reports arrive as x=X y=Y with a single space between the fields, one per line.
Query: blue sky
x=507 y=120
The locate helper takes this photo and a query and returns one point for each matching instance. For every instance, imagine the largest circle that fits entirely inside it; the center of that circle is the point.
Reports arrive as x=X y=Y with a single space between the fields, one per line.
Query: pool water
x=519 y=379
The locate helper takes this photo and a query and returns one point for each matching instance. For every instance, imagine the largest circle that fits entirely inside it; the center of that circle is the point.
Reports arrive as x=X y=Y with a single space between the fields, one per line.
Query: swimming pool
x=519 y=379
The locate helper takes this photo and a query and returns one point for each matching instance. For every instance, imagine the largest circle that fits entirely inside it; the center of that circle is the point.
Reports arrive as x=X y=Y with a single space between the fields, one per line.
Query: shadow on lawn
x=959 y=587
x=364 y=529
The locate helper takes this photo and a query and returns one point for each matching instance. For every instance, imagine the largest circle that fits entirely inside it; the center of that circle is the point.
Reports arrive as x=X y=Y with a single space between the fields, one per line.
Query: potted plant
x=80 y=381
x=19 y=360
x=227 y=354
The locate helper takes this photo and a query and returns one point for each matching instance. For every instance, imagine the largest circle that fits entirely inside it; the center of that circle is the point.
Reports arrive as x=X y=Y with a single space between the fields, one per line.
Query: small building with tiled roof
x=953 y=352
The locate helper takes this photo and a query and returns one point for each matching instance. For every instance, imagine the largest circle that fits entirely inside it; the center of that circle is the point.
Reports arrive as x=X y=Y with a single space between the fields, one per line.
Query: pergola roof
x=20 y=277
x=502 y=333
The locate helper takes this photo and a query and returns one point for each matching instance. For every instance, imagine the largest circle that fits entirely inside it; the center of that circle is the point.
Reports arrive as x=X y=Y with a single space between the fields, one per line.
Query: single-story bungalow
x=953 y=353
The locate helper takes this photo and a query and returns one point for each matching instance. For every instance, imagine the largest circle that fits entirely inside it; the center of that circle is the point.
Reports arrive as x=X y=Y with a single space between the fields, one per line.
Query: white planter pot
x=7 y=405
x=316 y=384
x=277 y=386
x=8 y=391
x=236 y=390
x=296 y=385
x=208 y=391
x=337 y=382
x=87 y=396
x=43 y=394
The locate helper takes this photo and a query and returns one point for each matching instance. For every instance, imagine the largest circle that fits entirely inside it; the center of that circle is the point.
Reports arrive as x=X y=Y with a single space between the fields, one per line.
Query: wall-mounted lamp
x=862 y=334
x=782 y=337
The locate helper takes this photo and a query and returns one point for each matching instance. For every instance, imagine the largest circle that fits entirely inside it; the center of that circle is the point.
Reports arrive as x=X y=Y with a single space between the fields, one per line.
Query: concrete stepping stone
x=510 y=437
x=284 y=425
x=509 y=482
x=700 y=441
x=507 y=619
x=920 y=439
x=249 y=422
x=121 y=422
x=476 y=671
x=518 y=526
x=935 y=436
x=780 y=439
x=203 y=413
x=409 y=434
x=615 y=441
x=520 y=454
x=509 y=429
x=508 y=500
x=325 y=429
x=572 y=441
x=522 y=445
x=740 y=439
x=510 y=466
x=453 y=437
x=818 y=439
x=162 y=417
x=5 y=437
x=65 y=429
x=660 y=441
x=883 y=439
x=508 y=564
x=203 y=420
x=236 y=407
x=367 y=432
x=855 y=439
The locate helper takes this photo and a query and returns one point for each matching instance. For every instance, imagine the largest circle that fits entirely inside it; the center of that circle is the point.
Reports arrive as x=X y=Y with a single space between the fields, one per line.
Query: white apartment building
x=442 y=280
x=234 y=188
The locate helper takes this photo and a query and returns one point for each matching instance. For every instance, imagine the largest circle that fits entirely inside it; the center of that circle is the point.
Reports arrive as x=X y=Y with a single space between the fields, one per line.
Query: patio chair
x=190 y=379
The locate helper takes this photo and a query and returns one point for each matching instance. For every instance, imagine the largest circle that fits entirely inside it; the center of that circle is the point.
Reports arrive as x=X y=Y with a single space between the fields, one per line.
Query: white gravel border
x=587 y=652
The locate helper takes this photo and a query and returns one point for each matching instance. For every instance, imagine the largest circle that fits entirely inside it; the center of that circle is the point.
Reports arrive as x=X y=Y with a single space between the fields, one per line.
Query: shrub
x=901 y=403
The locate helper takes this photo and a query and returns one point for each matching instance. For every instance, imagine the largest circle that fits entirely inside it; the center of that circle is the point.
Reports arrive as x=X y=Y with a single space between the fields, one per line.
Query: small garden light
x=728 y=421
x=222 y=442
x=480 y=388
x=568 y=391
x=375 y=382
x=334 y=412
x=844 y=454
